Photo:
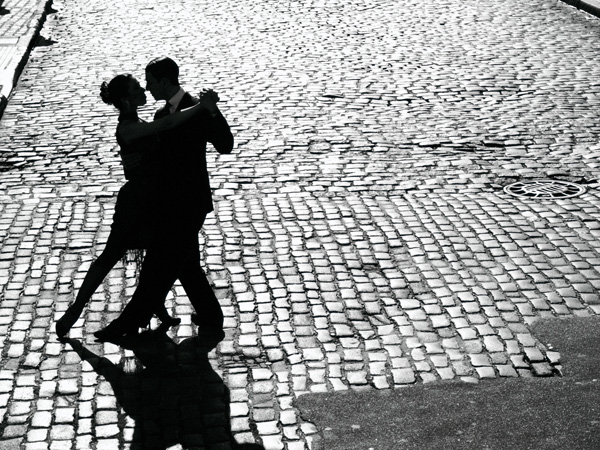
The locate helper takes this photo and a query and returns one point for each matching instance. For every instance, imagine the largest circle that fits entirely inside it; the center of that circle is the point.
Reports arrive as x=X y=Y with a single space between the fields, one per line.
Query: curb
x=590 y=6
x=14 y=52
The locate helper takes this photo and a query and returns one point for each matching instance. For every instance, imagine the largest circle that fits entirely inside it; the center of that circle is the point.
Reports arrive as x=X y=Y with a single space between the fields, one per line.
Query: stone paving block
x=506 y=370
x=542 y=369
x=485 y=372
x=403 y=376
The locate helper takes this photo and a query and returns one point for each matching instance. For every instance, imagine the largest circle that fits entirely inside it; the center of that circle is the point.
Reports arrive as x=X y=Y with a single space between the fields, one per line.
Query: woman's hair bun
x=105 y=94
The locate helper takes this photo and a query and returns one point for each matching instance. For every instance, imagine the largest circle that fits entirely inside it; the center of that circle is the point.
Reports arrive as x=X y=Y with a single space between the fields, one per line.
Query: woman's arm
x=130 y=131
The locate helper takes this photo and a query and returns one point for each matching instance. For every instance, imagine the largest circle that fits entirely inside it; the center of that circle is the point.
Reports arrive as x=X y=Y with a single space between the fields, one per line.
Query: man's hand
x=208 y=100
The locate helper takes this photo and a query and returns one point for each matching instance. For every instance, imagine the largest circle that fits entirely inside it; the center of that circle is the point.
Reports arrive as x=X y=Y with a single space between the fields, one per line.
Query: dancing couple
x=163 y=204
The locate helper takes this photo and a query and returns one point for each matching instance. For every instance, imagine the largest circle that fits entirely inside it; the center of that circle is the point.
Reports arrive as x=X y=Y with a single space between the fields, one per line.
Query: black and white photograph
x=300 y=225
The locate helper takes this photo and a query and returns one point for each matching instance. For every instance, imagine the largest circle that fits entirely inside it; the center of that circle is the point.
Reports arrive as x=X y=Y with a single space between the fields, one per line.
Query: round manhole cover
x=544 y=189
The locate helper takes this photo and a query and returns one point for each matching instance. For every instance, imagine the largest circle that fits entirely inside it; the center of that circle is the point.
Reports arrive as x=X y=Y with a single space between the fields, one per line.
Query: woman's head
x=124 y=92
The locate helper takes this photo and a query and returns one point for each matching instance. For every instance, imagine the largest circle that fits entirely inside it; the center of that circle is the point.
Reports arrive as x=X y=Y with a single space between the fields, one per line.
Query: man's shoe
x=196 y=321
x=204 y=329
x=208 y=339
x=211 y=333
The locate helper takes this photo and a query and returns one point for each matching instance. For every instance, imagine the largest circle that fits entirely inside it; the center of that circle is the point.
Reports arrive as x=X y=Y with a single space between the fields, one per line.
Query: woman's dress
x=135 y=216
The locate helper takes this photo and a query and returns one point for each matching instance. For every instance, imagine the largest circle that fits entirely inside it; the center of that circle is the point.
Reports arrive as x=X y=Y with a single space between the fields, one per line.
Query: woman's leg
x=113 y=252
x=159 y=271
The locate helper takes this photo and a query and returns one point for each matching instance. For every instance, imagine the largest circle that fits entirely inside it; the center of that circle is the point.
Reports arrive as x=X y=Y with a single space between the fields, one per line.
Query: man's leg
x=209 y=315
x=199 y=291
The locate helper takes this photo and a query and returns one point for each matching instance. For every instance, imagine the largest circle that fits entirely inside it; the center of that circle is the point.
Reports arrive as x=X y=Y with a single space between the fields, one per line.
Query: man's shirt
x=175 y=100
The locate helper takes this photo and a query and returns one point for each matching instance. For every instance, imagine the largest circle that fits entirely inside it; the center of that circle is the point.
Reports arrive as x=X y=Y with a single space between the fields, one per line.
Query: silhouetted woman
x=137 y=202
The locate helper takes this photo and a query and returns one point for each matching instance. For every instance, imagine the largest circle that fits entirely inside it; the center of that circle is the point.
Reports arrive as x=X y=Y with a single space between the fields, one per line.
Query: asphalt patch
x=578 y=341
x=516 y=413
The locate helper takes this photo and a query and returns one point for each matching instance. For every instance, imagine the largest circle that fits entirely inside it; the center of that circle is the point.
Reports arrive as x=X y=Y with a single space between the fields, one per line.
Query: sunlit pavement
x=361 y=239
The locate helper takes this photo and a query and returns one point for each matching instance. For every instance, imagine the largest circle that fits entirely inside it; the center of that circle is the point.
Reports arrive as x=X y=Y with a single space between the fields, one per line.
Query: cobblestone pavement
x=361 y=238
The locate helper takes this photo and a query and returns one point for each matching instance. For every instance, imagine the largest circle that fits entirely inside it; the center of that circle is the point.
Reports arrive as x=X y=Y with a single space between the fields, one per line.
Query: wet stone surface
x=361 y=238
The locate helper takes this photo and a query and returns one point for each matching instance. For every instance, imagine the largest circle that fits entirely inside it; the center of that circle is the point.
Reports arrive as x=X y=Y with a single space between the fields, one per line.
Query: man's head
x=162 y=78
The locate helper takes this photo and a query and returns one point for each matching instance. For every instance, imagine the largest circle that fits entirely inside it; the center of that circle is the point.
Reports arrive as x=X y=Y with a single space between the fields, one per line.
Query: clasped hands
x=208 y=100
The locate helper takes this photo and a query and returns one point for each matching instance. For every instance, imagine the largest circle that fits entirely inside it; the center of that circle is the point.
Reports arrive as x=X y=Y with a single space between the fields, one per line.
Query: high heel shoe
x=114 y=331
x=66 y=322
x=167 y=323
x=170 y=321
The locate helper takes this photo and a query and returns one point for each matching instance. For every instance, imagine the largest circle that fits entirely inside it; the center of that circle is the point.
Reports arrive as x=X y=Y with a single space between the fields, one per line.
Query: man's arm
x=218 y=132
x=217 y=129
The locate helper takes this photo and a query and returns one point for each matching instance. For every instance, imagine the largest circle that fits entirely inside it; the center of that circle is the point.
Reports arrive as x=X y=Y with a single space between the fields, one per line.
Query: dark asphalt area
x=516 y=413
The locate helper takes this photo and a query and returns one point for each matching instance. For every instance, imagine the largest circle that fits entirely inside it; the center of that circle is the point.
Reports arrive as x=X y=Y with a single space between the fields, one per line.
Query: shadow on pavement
x=175 y=398
x=517 y=413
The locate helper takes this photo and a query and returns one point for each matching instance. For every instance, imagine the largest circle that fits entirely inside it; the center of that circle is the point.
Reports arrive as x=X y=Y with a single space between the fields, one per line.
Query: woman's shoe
x=167 y=323
x=66 y=322
x=170 y=321
x=114 y=331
